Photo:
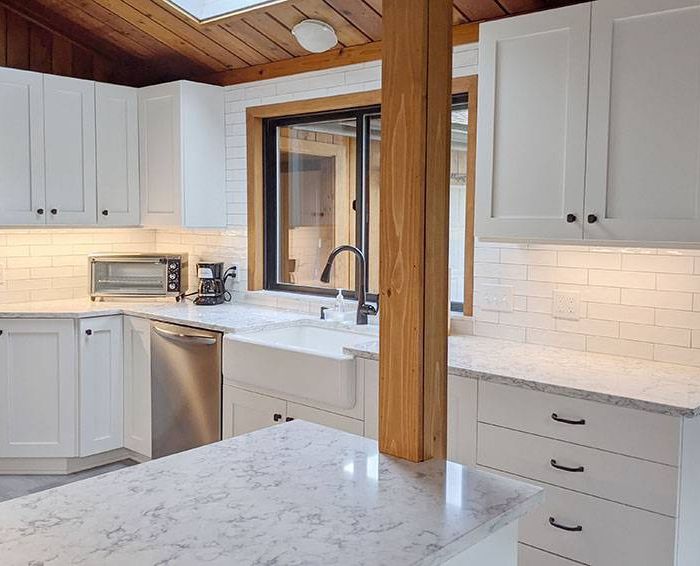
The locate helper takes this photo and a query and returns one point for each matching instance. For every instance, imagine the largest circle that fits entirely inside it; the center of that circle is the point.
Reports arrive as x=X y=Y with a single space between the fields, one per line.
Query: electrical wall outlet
x=567 y=304
x=496 y=298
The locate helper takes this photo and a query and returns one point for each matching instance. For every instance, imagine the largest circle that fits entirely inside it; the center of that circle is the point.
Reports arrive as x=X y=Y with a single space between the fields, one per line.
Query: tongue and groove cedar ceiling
x=141 y=42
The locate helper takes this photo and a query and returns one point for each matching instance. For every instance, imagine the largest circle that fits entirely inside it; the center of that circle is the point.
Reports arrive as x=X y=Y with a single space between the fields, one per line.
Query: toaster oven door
x=131 y=276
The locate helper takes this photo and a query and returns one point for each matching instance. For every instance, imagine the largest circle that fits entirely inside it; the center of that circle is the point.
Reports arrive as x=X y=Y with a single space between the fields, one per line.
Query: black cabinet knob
x=1 y=332
x=88 y=332
x=105 y=212
x=592 y=219
x=40 y=211
x=289 y=419
x=277 y=417
x=54 y=211
x=571 y=218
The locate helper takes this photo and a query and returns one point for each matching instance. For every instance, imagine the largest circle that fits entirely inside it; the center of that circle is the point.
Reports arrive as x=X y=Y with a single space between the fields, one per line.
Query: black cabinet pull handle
x=592 y=219
x=559 y=419
x=571 y=218
x=88 y=332
x=554 y=464
x=54 y=211
x=105 y=212
x=1 y=332
x=40 y=211
x=289 y=419
x=576 y=529
x=277 y=417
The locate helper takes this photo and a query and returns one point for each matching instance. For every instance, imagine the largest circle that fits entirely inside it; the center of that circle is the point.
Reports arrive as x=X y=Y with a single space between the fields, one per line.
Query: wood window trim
x=255 y=117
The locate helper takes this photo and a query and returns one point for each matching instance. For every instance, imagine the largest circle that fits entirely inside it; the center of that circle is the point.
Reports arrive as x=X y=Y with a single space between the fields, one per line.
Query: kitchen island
x=297 y=493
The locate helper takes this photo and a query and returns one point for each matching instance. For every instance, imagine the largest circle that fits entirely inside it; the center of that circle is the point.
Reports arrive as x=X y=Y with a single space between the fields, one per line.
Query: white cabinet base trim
x=64 y=466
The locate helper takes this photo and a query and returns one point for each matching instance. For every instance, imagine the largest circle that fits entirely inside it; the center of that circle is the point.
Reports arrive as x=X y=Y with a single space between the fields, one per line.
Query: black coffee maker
x=212 y=283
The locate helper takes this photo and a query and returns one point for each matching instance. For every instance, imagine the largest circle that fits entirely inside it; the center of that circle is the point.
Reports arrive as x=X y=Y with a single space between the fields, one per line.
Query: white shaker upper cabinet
x=21 y=148
x=182 y=149
x=117 y=138
x=533 y=81
x=69 y=130
x=643 y=172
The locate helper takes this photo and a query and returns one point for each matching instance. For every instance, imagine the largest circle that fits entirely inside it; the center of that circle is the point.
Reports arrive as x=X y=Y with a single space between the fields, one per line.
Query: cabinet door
x=101 y=384
x=533 y=81
x=462 y=395
x=643 y=177
x=38 y=389
x=245 y=411
x=117 y=138
x=324 y=418
x=137 y=385
x=69 y=130
x=21 y=148
x=160 y=155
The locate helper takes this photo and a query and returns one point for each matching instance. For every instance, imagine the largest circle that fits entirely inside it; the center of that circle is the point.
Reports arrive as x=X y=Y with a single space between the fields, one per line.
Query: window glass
x=315 y=192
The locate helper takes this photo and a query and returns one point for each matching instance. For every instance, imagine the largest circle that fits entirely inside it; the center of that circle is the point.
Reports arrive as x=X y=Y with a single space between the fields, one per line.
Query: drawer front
x=529 y=556
x=611 y=534
x=324 y=418
x=618 y=429
x=639 y=483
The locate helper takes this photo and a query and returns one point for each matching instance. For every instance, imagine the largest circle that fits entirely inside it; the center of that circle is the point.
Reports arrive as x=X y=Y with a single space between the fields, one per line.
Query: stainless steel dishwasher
x=185 y=388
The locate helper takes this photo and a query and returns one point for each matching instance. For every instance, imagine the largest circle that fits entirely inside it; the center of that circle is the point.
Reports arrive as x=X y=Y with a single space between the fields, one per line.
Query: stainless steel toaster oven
x=138 y=275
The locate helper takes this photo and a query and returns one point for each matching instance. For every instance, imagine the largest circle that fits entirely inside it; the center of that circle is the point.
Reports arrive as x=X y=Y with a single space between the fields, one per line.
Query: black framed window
x=322 y=189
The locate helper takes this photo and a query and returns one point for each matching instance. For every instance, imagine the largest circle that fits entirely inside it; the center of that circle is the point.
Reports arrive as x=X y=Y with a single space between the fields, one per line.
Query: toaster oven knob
x=171 y=276
x=172 y=286
x=172 y=266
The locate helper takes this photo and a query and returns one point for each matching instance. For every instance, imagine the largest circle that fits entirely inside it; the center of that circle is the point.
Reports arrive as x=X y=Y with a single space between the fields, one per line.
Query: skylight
x=207 y=10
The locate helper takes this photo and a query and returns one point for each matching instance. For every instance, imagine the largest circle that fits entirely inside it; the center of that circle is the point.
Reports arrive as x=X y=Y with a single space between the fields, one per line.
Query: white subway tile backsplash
x=557 y=274
x=659 y=299
x=589 y=326
x=528 y=257
x=623 y=279
x=589 y=260
x=501 y=331
x=617 y=347
x=678 y=319
x=666 y=282
x=657 y=263
x=655 y=334
x=556 y=339
x=676 y=355
x=621 y=313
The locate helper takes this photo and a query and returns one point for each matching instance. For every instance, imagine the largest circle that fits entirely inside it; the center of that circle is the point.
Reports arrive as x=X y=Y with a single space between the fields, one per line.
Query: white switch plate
x=496 y=298
x=567 y=304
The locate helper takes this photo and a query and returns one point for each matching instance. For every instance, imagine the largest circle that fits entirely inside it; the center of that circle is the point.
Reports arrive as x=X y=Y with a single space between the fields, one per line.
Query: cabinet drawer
x=625 y=431
x=639 y=483
x=611 y=534
x=324 y=418
x=529 y=556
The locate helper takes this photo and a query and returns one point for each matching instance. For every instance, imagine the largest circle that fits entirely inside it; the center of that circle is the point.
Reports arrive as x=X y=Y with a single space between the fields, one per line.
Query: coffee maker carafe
x=211 y=289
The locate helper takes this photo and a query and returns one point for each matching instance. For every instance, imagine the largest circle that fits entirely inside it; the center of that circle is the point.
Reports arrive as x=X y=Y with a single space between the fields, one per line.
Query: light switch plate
x=567 y=304
x=496 y=298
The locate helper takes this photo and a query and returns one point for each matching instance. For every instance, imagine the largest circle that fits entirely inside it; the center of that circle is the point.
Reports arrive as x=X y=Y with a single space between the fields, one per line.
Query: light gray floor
x=17 y=486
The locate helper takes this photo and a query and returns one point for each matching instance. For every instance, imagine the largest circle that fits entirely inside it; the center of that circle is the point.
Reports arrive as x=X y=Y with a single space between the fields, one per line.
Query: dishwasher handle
x=191 y=338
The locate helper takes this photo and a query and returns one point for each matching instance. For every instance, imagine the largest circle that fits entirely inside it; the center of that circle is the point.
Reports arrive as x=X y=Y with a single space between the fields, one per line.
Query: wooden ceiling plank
x=62 y=56
x=116 y=29
x=188 y=29
x=376 y=5
x=478 y=10
x=522 y=6
x=286 y=14
x=347 y=33
x=252 y=37
x=82 y=63
x=40 y=48
x=42 y=13
x=458 y=18
x=245 y=51
x=3 y=37
x=162 y=33
x=17 y=41
x=360 y=15
x=276 y=32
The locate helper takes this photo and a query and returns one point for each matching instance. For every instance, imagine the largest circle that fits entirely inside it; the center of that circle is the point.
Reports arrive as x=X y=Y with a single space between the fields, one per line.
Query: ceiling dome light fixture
x=315 y=36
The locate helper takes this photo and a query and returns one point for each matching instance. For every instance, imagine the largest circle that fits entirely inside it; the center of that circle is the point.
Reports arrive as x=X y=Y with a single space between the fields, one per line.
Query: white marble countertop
x=294 y=494
x=651 y=386
x=229 y=317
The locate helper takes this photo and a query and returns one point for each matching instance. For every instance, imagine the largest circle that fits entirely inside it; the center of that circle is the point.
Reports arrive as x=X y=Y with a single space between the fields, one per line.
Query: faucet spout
x=363 y=309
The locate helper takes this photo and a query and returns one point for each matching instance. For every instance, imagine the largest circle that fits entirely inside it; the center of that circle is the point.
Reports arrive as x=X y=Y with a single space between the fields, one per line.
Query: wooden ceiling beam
x=462 y=34
x=414 y=233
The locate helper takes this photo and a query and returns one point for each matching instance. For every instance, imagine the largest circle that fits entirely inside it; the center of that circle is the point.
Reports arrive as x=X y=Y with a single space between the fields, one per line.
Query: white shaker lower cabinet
x=245 y=411
x=117 y=139
x=38 y=388
x=533 y=84
x=21 y=147
x=137 y=385
x=643 y=179
x=69 y=150
x=101 y=384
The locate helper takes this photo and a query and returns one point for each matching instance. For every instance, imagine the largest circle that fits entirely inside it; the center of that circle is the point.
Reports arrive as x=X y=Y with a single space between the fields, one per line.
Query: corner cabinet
x=182 y=154
x=595 y=146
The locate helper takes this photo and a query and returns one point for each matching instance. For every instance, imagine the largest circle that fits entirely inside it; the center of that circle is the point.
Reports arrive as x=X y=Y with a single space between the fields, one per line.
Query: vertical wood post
x=414 y=234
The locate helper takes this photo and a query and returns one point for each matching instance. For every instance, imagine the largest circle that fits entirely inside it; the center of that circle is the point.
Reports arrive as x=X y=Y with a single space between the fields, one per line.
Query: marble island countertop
x=287 y=495
x=651 y=386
